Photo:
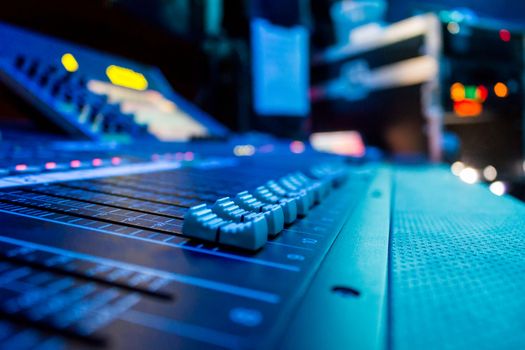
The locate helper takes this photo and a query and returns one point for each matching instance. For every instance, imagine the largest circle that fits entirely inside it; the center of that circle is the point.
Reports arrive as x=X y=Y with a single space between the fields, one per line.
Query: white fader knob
x=202 y=223
x=273 y=213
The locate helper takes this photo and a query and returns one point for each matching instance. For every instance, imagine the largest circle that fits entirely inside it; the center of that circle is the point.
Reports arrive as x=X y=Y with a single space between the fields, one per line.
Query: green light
x=470 y=92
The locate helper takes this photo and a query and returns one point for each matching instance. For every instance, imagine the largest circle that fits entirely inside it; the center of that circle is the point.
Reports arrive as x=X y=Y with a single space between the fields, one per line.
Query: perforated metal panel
x=457 y=272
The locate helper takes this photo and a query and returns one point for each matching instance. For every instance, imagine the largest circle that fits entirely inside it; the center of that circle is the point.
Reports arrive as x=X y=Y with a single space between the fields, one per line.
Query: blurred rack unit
x=407 y=83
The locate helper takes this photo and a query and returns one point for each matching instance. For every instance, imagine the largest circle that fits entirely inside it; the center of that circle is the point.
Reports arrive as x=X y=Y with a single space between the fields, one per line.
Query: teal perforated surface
x=457 y=265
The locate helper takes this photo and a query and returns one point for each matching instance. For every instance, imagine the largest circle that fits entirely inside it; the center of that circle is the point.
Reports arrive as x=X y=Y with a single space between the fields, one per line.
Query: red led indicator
x=482 y=93
x=50 y=165
x=96 y=162
x=504 y=35
x=21 y=167
x=75 y=163
x=116 y=160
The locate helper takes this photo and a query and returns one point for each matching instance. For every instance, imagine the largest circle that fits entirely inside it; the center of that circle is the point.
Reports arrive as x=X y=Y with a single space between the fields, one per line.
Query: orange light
x=501 y=90
x=457 y=92
x=468 y=108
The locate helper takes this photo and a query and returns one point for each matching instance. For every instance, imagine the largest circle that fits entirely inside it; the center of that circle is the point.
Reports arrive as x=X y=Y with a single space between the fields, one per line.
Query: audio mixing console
x=129 y=219
x=194 y=253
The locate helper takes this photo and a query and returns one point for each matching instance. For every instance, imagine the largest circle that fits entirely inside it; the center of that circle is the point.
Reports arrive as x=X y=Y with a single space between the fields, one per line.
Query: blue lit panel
x=280 y=69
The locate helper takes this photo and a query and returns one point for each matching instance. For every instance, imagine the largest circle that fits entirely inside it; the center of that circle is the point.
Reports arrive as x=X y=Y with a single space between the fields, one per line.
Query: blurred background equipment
x=359 y=85
x=95 y=96
x=448 y=85
x=349 y=63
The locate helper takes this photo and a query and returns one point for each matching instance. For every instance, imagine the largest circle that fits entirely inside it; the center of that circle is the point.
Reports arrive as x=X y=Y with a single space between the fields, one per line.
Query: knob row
x=250 y=218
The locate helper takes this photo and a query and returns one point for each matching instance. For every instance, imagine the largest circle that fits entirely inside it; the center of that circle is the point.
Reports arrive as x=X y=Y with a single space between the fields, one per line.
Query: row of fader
x=247 y=220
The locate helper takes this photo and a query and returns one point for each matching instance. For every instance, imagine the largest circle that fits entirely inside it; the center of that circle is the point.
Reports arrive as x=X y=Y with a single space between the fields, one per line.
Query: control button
x=301 y=198
x=201 y=222
x=287 y=183
x=273 y=213
x=250 y=235
x=288 y=205
x=226 y=208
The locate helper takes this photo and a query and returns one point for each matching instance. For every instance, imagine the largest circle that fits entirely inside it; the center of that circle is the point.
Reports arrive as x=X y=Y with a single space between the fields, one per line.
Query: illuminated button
x=504 y=35
x=201 y=222
x=116 y=160
x=50 y=165
x=75 y=163
x=96 y=162
x=126 y=77
x=21 y=167
x=53 y=166
x=69 y=62
x=24 y=168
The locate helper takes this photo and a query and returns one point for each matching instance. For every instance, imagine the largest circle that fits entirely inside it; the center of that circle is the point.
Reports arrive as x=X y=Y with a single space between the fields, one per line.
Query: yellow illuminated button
x=69 y=62
x=126 y=77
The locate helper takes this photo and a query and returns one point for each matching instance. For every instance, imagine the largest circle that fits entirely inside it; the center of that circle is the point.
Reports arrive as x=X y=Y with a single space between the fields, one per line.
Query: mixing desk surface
x=198 y=252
